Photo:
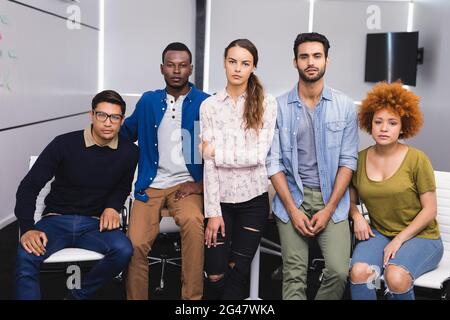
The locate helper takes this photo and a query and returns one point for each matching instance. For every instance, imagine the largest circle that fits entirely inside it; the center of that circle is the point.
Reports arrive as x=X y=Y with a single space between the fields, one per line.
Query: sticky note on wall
x=4 y=19
x=12 y=54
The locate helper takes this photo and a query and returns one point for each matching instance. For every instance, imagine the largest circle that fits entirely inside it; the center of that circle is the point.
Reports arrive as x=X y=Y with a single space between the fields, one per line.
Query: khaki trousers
x=143 y=230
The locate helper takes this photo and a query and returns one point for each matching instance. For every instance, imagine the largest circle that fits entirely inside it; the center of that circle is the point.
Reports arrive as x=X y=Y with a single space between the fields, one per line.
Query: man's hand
x=109 y=220
x=188 y=188
x=301 y=223
x=34 y=241
x=320 y=220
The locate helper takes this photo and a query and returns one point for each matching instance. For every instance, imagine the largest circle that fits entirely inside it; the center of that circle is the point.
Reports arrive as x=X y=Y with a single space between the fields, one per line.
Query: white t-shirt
x=172 y=168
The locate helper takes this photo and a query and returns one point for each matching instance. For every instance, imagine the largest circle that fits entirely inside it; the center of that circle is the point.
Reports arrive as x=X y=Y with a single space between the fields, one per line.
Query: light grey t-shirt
x=306 y=148
x=172 y=168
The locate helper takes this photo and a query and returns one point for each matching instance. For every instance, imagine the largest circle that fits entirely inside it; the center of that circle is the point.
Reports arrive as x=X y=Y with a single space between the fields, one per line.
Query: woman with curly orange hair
x=396 y=183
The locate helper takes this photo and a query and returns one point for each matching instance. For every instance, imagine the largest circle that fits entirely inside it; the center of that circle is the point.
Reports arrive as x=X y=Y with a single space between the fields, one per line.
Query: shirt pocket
x=335 y=131
x=286 y=147
x=285 y=139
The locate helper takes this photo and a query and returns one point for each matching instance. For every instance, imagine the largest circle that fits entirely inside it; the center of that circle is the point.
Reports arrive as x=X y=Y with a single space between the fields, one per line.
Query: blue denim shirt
x=143 y=125
x=336 y=139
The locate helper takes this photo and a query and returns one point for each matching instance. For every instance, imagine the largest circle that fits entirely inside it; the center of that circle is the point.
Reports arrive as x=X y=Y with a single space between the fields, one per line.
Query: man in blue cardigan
x=170 y=173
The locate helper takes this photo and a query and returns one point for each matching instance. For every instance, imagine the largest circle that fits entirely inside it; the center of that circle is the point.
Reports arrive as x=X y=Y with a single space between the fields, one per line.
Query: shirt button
x=171 y=101
x=156 y=126
x=156 y=144
x=163 y=109
x=151 y=179
x=156 y=162
x=173 y=117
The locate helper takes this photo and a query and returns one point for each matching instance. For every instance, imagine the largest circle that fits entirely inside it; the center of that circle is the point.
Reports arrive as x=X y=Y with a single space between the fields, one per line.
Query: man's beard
x=305 y=78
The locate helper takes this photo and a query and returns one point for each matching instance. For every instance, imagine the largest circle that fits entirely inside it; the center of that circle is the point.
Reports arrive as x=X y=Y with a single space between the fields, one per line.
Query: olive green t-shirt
x=395 y=202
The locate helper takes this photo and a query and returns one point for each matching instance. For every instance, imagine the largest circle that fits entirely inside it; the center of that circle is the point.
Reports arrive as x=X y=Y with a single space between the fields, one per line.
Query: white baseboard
x=7 y=220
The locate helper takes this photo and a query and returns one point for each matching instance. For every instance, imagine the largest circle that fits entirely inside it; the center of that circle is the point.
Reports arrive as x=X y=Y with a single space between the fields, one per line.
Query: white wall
x=271 y=25
x=89 y=9
x=432 y=20
x=136 y=33
x=53 y=73
x=345 y=24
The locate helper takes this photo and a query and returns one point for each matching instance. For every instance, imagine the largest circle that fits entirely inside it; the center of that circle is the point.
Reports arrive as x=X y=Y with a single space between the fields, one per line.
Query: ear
x=327 y=61
x=161 y=68
x=192 y=68
x=294 y=63
x=91 y=115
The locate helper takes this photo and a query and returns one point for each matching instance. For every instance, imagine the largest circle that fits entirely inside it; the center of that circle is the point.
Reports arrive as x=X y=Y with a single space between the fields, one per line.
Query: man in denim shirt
x=310 y=164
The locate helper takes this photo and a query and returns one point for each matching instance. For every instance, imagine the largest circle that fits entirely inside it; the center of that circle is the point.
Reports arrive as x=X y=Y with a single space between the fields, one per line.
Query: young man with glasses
x=93 y=171
x=170 y=173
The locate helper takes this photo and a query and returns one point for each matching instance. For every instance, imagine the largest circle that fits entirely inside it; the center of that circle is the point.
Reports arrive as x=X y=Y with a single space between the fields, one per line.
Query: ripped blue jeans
x=417 y=256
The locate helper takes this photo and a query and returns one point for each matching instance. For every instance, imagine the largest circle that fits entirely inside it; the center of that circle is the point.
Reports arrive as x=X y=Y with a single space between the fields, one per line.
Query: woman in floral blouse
x=237 y=127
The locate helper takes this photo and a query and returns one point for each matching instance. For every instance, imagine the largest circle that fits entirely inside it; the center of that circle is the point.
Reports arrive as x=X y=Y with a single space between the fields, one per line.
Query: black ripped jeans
x=232 y=257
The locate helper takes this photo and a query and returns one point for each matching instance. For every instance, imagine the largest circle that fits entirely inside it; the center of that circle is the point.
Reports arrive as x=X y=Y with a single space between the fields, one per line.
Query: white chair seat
x=435 y=278
x=73 y=254
x=168 y=225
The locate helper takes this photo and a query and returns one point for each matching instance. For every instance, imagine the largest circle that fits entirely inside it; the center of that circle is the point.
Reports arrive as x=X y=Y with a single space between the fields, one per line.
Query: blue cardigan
x=143 y=125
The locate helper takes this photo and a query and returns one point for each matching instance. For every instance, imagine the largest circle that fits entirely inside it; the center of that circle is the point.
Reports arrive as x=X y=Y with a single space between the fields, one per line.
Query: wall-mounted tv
x=391 y=56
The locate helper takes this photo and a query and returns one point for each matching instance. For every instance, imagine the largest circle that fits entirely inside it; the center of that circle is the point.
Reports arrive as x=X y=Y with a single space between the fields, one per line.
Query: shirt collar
x=222 y=95
x=189 y=96
x=89 y=140
x=326 y=93
x=180 y=98
x=293 y=94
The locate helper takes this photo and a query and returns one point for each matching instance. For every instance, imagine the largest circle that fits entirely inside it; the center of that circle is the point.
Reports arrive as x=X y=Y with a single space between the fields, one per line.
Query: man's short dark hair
x=311 y=37
x=110 y=96
x=177 y=46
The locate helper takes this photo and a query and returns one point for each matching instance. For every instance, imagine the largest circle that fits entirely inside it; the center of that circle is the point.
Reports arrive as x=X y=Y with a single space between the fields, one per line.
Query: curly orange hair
x=395 y=98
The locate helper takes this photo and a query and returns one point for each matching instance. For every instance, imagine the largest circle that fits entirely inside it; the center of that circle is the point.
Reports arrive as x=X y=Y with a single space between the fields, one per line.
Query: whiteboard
x=46 y=69
x=88 y=9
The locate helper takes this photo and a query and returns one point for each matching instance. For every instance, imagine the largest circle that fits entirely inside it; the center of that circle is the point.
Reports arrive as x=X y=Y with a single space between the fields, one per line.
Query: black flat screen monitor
x=392 y=56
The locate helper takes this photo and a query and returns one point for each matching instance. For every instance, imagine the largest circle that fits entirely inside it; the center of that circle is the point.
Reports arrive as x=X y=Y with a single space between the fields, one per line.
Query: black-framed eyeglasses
x=103 y=116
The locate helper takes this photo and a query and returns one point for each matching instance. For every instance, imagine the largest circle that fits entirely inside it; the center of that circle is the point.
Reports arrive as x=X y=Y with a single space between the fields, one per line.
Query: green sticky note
x=4 y=19
x=12 y=54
